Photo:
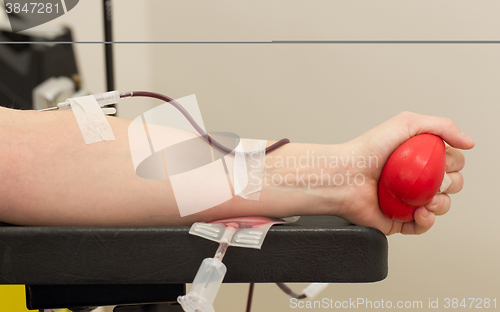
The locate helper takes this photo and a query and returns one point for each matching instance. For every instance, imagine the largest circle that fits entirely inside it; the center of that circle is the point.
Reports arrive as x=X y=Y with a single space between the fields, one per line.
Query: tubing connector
x=205 y=286
x=103 y=99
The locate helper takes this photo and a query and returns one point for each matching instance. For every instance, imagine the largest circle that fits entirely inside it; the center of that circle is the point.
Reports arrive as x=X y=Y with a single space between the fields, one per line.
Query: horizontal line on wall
x=269 y=42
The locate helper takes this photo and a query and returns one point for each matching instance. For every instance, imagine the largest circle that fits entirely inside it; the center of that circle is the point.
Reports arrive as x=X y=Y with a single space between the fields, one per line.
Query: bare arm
x=51 y=177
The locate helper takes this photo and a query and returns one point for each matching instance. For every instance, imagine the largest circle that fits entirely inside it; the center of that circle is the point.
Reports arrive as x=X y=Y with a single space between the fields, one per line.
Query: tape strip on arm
x=91 y=119
x=249 y=168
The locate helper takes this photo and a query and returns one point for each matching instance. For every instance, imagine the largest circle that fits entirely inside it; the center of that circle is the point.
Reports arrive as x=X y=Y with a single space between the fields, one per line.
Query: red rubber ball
x=411 y=176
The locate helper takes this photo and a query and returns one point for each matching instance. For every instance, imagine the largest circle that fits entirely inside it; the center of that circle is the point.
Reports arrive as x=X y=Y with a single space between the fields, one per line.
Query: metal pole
x=108 y=46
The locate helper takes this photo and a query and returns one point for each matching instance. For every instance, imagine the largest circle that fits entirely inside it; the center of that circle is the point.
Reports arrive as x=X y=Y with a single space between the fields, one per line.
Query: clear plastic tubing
x=226 y=239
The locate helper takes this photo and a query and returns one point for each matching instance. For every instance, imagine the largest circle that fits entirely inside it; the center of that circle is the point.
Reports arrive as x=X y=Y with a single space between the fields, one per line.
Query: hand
x=362 y=201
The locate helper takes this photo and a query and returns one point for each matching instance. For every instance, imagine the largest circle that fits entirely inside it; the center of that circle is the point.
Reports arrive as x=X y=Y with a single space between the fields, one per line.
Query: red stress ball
x=411 y=176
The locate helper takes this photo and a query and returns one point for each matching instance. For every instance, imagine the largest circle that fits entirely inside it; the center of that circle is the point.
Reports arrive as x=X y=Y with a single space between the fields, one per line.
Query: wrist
x=313 y=179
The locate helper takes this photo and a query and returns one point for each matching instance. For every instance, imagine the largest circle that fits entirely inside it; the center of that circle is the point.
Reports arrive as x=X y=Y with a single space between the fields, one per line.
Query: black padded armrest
x=315 y=249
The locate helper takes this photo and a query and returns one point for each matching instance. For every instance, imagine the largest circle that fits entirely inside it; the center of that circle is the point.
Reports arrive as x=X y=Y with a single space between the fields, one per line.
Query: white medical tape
x=248 y=168
x=91 y=119
x=445 y=184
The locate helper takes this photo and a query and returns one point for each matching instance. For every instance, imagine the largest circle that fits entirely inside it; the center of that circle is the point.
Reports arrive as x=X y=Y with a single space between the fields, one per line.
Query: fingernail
x=434 y=201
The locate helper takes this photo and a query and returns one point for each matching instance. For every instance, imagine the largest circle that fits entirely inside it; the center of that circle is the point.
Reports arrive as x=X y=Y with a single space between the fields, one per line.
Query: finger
x=443 y=127
x=457 y=183
x=439 y=205
x=424 y=219
x=455 y=159
x=395 y=228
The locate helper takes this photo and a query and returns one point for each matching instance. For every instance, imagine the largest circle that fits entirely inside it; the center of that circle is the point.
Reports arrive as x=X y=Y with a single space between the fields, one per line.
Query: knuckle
x=424 y=228
x=407 y=114
x=448 y=122
x=449 y=161
x=455 y=159
x=447 y=205
x=457 y=184
x=408 y=118
x=460 y=182
x=461 y=158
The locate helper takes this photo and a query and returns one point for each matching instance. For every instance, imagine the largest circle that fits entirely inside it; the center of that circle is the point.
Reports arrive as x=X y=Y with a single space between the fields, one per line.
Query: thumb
x=443 y=127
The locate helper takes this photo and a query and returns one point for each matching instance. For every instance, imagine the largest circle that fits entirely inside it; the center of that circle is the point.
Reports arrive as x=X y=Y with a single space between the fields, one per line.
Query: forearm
x=50 y=176
x=53 y=177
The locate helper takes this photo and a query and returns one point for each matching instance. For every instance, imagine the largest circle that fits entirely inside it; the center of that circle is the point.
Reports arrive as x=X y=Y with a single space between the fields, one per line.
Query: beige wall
x=330 y=94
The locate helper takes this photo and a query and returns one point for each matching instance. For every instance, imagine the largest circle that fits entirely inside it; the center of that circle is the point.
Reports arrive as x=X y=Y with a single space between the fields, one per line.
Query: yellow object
x=13 y=298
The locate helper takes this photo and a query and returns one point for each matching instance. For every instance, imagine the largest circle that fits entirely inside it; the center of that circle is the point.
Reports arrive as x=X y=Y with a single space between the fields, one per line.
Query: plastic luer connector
x=107 y=98
x=103 y=99
x=205 y=286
